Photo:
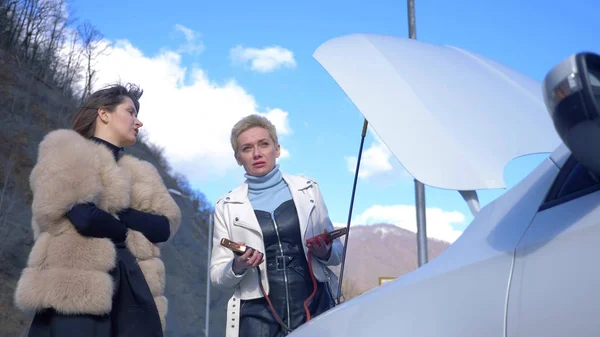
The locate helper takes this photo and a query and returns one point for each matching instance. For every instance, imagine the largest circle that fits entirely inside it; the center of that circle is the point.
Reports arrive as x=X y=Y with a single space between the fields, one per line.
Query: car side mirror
x=572 y=96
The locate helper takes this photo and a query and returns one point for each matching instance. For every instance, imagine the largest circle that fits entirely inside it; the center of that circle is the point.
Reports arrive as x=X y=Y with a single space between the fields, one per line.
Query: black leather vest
x=289 y=277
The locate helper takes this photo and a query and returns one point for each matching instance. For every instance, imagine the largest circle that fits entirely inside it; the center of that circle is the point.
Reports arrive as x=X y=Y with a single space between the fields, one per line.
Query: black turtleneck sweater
x=91 y=221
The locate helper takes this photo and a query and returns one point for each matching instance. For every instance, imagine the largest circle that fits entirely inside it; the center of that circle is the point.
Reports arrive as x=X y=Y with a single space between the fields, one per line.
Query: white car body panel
x=556 y=276
x=517 y=270
x=462 y=292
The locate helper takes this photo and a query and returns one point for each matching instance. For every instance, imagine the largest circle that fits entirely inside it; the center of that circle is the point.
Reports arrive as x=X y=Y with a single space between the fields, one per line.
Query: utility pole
x=208 y=253
x=419 y=187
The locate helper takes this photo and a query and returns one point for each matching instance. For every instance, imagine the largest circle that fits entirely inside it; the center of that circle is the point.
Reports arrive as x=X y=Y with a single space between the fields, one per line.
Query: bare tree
x=58 y=20
x=7 y=198
x=72 y=69
x=28 y=23
x=8 y=10
x=8 y=169
x=92 y=48
x=38 y=35
x=19 y=19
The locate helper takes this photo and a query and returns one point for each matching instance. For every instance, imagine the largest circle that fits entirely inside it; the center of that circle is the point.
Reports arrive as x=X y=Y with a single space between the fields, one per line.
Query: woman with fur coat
x=98 y=219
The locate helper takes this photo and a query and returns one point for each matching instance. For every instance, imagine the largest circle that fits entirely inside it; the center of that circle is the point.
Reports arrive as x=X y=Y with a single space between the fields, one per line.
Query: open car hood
x=452 y=118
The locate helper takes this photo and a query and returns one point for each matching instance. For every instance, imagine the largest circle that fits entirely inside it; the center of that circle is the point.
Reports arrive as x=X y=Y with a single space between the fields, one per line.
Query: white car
x=528 y=264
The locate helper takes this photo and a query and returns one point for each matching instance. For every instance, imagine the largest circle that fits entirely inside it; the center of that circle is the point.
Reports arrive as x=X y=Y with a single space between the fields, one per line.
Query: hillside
x=29 y=108
x=381 y=250
x=47 y=63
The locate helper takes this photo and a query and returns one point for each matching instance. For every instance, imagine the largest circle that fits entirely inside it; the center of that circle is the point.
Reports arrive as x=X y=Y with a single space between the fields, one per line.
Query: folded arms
x=91 y=221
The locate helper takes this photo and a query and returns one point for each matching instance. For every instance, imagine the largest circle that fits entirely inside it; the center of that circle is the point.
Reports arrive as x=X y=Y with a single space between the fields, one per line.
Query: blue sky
x=181 y=53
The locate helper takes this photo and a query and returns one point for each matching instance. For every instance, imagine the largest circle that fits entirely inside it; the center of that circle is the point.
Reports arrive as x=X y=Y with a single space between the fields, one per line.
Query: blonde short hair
x=249 y=122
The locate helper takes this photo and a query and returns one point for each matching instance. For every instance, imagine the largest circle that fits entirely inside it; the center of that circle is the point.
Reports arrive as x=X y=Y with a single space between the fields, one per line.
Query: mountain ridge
x=381 y=250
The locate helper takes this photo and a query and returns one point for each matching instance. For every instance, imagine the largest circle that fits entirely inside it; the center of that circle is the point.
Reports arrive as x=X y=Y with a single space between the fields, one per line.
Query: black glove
x=91 y=221
x=155 y=228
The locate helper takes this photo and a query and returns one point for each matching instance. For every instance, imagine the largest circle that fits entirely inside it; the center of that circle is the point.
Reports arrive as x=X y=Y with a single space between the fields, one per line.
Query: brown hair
x=109 y=97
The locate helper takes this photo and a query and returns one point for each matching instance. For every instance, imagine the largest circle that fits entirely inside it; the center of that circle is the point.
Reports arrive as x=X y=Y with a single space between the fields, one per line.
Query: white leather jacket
x=234 y=219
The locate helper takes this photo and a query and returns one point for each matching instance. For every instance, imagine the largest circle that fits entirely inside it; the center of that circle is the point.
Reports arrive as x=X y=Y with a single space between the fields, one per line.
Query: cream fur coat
x=65 y=270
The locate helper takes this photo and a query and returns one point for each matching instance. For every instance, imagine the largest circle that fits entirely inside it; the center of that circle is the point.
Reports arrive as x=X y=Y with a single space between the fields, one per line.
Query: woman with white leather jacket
x=274 y=213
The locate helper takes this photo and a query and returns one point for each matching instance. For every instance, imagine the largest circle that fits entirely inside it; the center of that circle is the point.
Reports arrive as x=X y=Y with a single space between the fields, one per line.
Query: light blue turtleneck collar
x=268 y=180
x=266 y=193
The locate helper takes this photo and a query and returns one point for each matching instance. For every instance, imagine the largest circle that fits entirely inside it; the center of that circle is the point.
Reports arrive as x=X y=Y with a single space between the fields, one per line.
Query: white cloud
x=340 y=224
x=184 y=111
x=374 y=160
x=264 y=60
x=439 y=222
x=190 y=35
x=279 y=118
x=193 y=43
x=284 y=153
x=377 y=163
